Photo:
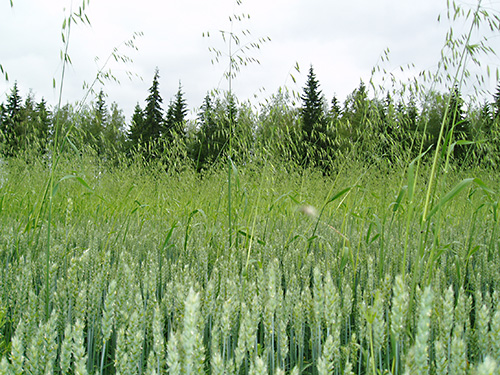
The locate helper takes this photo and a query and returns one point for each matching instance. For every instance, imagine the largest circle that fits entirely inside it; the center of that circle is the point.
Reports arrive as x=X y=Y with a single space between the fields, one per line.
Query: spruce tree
x=136 y=131
x=317 y=139
x=11 y=121
x=312 y=106
x=335 y=110
x=169 y=121
x=153 y=113
x=43 y=120
x=101 y=110
x=201 y=152
x=43 y=123
x=25 y=130
x=14 y=101
x=176 y=115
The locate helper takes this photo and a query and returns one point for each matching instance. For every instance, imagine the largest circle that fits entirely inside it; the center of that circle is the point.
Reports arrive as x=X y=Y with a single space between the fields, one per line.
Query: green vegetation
x=318 y=239
x=142 y=276
x=389 y=132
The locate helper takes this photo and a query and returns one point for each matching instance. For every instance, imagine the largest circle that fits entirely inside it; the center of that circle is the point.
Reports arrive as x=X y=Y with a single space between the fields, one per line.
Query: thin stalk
x=372 y=351
x=230 y=81
x=446 y=114
x=102 y=357
x=229 y=202
x=47 y=257
x=53 y=167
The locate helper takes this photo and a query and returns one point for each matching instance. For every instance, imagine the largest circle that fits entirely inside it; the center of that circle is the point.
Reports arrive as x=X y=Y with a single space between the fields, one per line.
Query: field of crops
x=247 y=269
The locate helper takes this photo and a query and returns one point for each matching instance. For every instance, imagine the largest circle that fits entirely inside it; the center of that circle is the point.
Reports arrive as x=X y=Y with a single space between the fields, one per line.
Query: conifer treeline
x=313 y=133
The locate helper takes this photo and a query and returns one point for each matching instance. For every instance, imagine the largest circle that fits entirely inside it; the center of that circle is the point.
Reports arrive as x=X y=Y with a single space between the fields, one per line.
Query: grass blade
x=450 y=195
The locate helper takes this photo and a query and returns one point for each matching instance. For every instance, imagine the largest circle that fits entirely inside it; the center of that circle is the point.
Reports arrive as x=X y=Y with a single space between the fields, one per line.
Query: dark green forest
x=306 y=129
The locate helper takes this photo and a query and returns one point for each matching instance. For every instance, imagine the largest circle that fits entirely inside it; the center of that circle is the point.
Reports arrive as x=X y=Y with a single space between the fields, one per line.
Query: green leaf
x=167 y=238
x=459 y=143
x=472 y=251
x=250 y=237
x=401 y=194
x=295 y=200
x=4 y=73
x=374 y=238
x=312 y=238
x=282 y=196
x=139 y=205
x=294 y=238
x=71 y=143
x=338 y=195
x=71 y=177
x=483 y=186
x=450 y=195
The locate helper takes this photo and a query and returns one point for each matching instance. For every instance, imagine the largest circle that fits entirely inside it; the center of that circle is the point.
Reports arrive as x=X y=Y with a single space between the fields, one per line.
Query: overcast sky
x=343 y=40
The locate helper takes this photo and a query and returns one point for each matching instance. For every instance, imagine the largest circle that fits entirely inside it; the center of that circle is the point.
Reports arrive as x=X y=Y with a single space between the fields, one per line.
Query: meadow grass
x=143 y=276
